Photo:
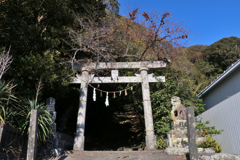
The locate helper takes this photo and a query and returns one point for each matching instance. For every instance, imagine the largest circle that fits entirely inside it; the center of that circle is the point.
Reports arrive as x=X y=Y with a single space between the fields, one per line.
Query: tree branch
x=5 y=61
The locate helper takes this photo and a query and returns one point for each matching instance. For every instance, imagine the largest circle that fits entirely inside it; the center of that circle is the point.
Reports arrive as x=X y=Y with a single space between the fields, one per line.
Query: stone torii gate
x=144 y=78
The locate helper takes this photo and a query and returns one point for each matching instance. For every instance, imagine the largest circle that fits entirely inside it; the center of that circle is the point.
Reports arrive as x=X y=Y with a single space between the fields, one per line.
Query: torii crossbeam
x=143 y=77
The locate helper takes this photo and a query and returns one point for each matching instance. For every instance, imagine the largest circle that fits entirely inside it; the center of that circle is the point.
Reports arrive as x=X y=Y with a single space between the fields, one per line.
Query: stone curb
x=214 y=156
x=182 y=151
x=224 y=156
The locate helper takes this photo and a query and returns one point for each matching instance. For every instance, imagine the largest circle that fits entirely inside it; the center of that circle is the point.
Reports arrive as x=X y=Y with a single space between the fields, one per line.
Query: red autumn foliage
x=155 y=36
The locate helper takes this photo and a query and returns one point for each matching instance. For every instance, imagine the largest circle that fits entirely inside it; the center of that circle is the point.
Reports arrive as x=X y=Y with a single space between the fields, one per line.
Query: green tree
x=161 y=100
x=195 y=72
x=208 y=62
x=222 y=53
x=161 y=94
x=193 y=53
x=36 y=31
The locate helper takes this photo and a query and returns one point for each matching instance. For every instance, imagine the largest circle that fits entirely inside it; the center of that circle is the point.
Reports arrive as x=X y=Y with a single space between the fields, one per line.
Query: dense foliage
x=35 y=30
x=46 y=37
x=222 y=53
x=161 y=100
x=210 y=61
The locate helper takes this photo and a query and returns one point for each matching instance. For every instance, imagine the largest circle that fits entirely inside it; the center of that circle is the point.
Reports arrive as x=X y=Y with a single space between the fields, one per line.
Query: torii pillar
x=144 y=78
x=150 y=137
x=79 y=137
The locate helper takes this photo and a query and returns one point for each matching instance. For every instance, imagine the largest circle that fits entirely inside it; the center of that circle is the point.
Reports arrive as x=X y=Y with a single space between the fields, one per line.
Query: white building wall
x=226 y=115
x=222 y=91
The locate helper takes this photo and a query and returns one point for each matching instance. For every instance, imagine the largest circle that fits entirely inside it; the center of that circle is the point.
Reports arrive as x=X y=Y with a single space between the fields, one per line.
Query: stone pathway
x=119 y=155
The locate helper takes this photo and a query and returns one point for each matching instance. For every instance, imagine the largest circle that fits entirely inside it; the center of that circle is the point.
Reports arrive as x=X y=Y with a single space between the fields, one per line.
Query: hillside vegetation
x=45 y=38
x=202 y=64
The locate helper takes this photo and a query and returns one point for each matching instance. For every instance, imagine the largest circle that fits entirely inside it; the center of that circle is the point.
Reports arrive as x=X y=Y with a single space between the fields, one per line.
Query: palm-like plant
x=2 y=112
x=6 y=97
x=45 y=119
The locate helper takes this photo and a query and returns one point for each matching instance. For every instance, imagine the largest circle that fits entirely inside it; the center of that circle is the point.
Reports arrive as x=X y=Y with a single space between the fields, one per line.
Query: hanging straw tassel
x=94 y=94
x=125 y=92
x=107 y=102
x=114 y=95
x=101 y=94
x=120 y=93
x=132 y=88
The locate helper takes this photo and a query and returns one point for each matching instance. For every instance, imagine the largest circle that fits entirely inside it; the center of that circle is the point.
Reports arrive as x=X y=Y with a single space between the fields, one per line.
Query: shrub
x=206 y=130
x=45 y=119
x=211 y=143
x=161 y=144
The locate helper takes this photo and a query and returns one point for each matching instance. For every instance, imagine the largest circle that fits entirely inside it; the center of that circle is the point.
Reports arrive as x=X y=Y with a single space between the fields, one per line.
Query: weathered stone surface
x=121 y=65
x=183 y=142
x=179 y=124
x=143 y=77
x=178 y=136
x=124 y=149
x=178 y=133
x=64 y=141
x=56 y=145
x=176 y=151
x=204 y=157
x=183 y=134
x=200 y=139
x=56 y=152
x=223 y=156
x=200 y=150
x=119 y=155
x=79 y=137
x=150 y=137
x=150 y=141
x=178 y=110
x=182 y=151
x=179 y=142
x=32 y=140
x=51 y=104
x=192 y=136
x=209 y=150
x=121 y=79
x=51 y=109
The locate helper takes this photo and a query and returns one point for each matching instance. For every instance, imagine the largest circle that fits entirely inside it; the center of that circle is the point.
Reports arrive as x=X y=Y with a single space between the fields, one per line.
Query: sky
x=208 y=20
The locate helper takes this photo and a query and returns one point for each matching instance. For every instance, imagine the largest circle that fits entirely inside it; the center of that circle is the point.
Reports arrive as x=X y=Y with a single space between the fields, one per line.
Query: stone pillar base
x=79 y=143
x=150 y=142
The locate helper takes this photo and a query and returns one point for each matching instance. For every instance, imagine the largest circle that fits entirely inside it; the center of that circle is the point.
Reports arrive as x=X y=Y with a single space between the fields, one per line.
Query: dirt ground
x=119 y=155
